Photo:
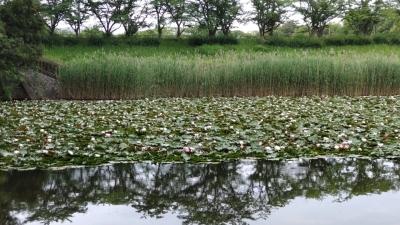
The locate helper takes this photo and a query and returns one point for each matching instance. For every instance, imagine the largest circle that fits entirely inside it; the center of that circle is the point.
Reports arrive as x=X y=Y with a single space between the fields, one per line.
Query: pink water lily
x=187 y=149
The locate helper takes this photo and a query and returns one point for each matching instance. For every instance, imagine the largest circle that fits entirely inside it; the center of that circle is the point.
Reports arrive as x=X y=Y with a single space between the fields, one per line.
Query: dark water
x=332 y=191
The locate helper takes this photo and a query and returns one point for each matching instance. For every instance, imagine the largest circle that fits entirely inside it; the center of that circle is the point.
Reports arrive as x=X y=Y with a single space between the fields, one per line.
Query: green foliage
x=21 y=19
x=214 y=15
x=96 y=40
x=364 y=17
x=76 y=14
x=222 y=40
x=288 y=28
x=116 y=76
x=268 y=14
x=74 y=132
x=20 y=33
x=318 y=13
x=348 y=40
x=15 y=56
x=177 y=10
x=54 y=11
x=335 y=40
x=295 y=42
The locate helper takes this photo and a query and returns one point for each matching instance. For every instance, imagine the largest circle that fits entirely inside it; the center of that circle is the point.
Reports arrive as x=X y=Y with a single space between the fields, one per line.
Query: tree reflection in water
x=225 y=193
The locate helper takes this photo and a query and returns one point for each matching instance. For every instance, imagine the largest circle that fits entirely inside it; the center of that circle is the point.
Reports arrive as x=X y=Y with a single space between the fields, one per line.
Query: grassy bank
x=46 y=133
x=105 y=75
x=167 y=48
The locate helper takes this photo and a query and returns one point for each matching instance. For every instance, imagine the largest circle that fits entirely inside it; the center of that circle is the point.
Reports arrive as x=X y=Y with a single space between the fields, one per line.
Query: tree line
x=361 y=16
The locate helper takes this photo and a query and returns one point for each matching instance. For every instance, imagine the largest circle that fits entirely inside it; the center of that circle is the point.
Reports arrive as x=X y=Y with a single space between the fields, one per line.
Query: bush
x=72 y=41
x=15 y=56
x=53 y=40
x=314 y=42
x=222 y=40
x=389 y=39
x=20 y=36
x=95 y=40
x=295 y=42
x=21 y=19
x=347 y=40
x=145 y=41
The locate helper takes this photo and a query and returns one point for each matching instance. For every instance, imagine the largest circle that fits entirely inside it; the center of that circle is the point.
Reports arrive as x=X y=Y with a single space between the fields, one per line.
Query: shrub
x=21 y=19
x=70 y=41
x=15 y=56
x=95 y=40
x=295 y=42
x=391 y=39
x=143 y=41
x=222 y=40
x=53 y=40
x=20 y=36
x=347 y=40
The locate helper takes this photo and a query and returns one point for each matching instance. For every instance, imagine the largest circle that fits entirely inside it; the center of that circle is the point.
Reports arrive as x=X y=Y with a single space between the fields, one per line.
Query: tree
x=288 y=28
x=363 y=16
x=268 y=14
x=389 y=21
x=177 y=10
x=21 y=20
x=20 y=34
x=318 y=13
x=54 y=11
x=76 y=15
x=227 y=13
x=159 y=9
x=134 y=17
x=110 y=12
x=215 y=14
x=205 y=13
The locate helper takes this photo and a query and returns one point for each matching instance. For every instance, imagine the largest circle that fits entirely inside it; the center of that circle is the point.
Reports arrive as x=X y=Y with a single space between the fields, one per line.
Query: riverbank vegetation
x=19 y=42
x=117 y=76
x=46 y=133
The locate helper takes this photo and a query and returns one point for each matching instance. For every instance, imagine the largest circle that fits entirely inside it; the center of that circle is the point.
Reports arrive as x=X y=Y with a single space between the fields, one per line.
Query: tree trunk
x=108 y=33
x=159 y=31
x=212 y=32
x=225 y=32
x=178 y=31
x=261 y=32
x=317 y=31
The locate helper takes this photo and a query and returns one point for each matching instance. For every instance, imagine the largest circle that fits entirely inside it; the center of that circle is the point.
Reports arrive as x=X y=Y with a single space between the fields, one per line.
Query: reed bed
x=120 y=76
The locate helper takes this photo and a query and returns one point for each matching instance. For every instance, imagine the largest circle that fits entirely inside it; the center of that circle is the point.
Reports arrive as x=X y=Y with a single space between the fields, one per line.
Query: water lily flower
x=188 y=149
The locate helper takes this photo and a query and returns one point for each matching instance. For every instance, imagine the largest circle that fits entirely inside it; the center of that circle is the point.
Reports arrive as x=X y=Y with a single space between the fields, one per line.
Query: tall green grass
x=119 y=76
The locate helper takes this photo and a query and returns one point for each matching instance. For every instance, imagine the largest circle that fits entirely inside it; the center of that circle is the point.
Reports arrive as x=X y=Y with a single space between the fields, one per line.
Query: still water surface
x=318 y=191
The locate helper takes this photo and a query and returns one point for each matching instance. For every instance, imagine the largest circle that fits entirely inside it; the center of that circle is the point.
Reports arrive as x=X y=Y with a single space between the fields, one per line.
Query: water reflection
x=226 y=193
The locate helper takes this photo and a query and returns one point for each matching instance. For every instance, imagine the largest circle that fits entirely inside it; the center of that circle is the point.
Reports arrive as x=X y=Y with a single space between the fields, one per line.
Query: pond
x=306 y=191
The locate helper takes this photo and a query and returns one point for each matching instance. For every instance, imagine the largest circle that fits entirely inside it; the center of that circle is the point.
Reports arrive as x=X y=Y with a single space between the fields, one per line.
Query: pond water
x=317 y=191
